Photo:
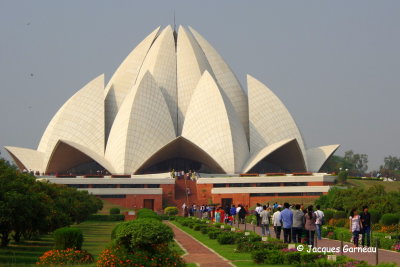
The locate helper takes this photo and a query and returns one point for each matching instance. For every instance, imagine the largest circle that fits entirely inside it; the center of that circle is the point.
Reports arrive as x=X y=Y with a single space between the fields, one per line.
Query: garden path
x=197 y=252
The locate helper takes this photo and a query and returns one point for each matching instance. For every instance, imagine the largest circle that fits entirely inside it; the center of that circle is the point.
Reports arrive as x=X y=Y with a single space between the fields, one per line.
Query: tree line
x=357 y=165
x=29 y=207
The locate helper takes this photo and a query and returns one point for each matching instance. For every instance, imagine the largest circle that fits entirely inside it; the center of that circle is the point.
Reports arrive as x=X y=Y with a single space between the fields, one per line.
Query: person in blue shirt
x=287 y=219
x=233 y=211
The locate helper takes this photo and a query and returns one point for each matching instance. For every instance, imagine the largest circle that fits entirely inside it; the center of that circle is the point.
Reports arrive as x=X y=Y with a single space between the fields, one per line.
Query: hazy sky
x=334 y=64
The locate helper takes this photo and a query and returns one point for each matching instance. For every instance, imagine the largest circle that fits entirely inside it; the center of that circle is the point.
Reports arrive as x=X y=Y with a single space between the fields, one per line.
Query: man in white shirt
x=277 y=220
x=318 y=222
x=258 y=210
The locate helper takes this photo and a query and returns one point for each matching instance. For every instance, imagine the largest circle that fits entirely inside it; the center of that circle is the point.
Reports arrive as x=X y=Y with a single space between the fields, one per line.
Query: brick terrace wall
x=168 y=193
x=204 y=193
x=136 y=201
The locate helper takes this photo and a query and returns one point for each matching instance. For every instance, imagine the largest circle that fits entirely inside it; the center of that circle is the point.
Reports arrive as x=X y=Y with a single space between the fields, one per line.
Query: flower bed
x=65 y=257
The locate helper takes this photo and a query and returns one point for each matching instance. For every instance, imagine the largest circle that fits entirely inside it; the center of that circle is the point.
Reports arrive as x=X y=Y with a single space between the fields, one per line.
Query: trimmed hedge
x=146 y=213
x=106 y=218
x=68 y=237
x=171 y=211
x=390 y=219
x=142 y=233
x=115 y=211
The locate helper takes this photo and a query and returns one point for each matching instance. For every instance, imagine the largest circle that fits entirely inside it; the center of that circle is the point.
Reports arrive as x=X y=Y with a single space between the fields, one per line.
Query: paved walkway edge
x=173 y=226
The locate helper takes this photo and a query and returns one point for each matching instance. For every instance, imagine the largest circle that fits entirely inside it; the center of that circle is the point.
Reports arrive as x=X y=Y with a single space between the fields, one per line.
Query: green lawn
x=96 y=237
x=389 y=186
x=226 y=251
x=108 y=205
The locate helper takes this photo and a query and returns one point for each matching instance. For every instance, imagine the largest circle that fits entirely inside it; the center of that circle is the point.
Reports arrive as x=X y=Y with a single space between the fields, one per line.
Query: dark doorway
x=148 y=204
x=226 y=202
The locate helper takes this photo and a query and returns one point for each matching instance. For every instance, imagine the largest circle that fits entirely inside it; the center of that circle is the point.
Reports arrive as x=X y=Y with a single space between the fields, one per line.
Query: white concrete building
x=172 y=103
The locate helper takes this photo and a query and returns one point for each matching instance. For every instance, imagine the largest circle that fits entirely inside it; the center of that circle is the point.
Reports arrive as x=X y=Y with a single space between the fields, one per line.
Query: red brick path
x=197 y=252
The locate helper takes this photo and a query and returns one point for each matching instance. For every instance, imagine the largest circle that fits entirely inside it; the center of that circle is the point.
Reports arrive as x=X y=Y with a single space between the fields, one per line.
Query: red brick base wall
x=135 y=202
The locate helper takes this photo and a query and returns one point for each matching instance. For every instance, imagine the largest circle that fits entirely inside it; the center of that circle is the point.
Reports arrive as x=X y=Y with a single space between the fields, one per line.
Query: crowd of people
x=298 y=223
x=190 y=175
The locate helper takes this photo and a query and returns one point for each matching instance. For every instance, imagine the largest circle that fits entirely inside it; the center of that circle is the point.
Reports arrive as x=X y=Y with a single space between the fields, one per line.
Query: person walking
x=257 y=212
x=287 y=219
x=277 y=221
x=365 y=217
x=318 y=223
x=310 y=219
x=218 y=215
x=298 y=224
x=233 y=212
x=242 y=214
x=355 y=225
x=265 y=221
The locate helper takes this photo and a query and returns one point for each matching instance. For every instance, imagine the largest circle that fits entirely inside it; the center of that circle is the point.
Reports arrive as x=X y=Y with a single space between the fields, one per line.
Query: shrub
x=204 y=230
x=292 y=257
x=258 y=256
x=389 y=219
x=146 y=213
x=213 y=234
x=114 y=231
x=118 y=256
x=328 y=214
x=340 y=215
x=115 y=211
x=273 y=257
x=226 y=238
x=198 y=226
x=68 y=237
x=340 y=222
x=171 y=211
x=65 y=257
x=142 y=233
x=251 y=219
x=375 y=215
x=338 y=232
x=106 y=218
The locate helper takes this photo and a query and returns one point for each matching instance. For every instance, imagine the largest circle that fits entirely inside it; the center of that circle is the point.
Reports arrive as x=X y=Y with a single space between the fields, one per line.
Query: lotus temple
x=175 y=105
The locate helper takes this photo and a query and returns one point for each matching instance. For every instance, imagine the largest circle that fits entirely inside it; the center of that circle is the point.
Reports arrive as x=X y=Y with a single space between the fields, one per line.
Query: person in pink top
x=355 y=225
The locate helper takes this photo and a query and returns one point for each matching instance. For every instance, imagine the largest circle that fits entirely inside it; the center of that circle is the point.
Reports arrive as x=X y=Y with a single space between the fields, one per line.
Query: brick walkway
x=384 y=255
x=197 y=252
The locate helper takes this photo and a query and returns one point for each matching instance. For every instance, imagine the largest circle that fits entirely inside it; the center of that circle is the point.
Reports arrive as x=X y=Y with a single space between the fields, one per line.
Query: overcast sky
x=334 y=64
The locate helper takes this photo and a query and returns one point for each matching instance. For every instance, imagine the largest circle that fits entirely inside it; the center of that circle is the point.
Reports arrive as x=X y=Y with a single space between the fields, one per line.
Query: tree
x=28 y=206
x=390 y=167
x=357 y=164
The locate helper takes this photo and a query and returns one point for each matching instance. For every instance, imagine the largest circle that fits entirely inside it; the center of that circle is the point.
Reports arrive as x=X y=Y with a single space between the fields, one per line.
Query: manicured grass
x=108 y=205
x=389 y=186
x=226 y=251
x=25 y=253
x=96 y=237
